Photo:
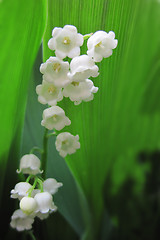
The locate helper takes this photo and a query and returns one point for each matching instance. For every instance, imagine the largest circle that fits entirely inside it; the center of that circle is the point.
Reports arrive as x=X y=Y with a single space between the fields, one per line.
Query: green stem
x=40 y=184
x=36 y=149
x=33 y=187
x=31 y=235
x=86 y=36
x=51 y=134
x=28 y=178
x=44 y=153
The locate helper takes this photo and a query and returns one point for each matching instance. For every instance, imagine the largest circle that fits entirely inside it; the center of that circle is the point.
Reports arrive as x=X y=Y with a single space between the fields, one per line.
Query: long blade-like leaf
x=21 y=29
x=119 y=121
x=22 y=25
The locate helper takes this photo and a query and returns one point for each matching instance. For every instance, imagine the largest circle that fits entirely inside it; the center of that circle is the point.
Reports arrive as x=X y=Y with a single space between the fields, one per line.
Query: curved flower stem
x=29 y=177
x=33 y=187
x=31 y=235
x=86 y=36
x=51 y=134
x=44 y=153
x=36 y=149
x=40 y=182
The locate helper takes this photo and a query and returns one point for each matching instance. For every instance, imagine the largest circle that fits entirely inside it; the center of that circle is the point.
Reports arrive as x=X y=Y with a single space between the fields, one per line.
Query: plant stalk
x=44 y=153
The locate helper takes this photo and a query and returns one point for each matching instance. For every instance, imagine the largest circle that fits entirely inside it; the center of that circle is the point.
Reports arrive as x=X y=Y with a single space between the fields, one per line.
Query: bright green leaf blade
x=118 y=121
x=21 y=26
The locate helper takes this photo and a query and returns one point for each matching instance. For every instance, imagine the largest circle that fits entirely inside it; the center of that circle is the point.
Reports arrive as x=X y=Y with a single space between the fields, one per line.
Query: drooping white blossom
x=81 y=68
x=55 y=71
x=20 y=190
x=54 y=117
x=30 y=164
x=66 y=41
x=100 y=45
x=42 y=216
x=44 y=202
x=48 y=93
x=20 y=221
x=28 y=205
x=66 y=143
x=78 y=91
x=51 y=185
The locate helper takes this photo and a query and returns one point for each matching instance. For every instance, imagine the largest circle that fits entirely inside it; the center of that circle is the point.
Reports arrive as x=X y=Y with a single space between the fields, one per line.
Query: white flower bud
x=78 y=91
x=82 y=67
x=30 y=164
x=44 y=202
x=66 y=143
x=28 y=205
x=66 y=41
x=21 y=221
x=100 y=45
x=54 y=117
x=20 y=190
x=51 y=185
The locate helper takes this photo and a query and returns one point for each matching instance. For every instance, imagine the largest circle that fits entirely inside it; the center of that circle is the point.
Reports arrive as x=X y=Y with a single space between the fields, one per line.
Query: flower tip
x=116 y=42
x=42 y=123
x=41 y=171
x=50 y=44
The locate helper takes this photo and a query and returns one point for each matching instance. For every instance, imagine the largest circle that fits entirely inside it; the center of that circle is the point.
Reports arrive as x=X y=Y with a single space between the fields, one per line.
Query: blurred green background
x=112 y=184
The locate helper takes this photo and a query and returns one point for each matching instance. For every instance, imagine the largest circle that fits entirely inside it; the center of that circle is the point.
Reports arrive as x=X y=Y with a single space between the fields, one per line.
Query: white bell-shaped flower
x=42 y=216
x=66 y=143
x=28 y=205
x=54 y=117
x=100 y=45
x=82 y=67
x=51 y=185
x=78 y=91
x=44 y=202
x=66 y=41
x=48 y=93
x=55 y=71
x=30 y=164
x=20 y=221
x=20 y=190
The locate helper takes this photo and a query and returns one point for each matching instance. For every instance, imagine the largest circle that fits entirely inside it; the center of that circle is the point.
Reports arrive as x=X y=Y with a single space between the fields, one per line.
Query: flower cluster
x=35 y=200
x=67 y=75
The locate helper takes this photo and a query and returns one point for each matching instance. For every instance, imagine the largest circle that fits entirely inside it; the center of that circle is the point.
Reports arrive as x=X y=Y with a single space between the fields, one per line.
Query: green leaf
x=21 y=26
x=121 y=119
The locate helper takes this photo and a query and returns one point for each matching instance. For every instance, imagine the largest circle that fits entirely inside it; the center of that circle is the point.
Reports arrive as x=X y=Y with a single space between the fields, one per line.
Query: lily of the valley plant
x=61 y=78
